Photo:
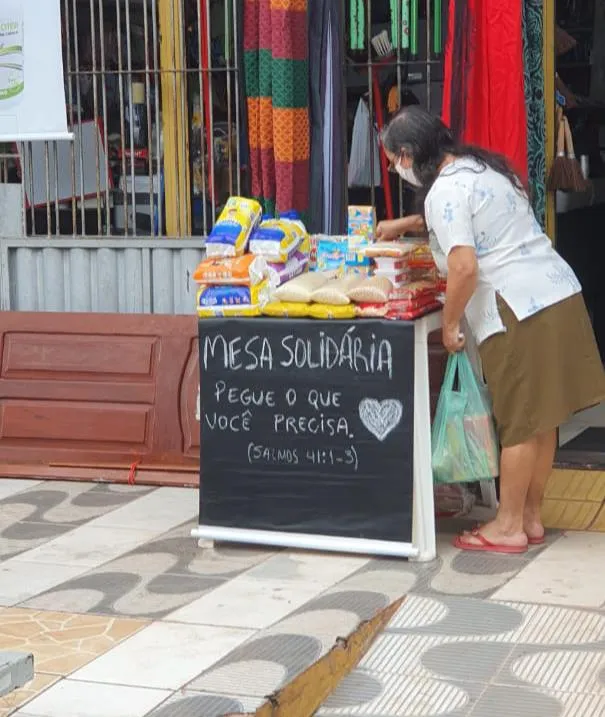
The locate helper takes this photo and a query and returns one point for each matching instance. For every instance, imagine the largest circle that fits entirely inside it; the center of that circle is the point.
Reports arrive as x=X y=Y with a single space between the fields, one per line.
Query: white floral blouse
x=479 y=208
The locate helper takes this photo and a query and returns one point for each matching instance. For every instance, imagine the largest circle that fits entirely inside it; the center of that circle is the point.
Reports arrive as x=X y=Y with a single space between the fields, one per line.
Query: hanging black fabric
x=327 y=108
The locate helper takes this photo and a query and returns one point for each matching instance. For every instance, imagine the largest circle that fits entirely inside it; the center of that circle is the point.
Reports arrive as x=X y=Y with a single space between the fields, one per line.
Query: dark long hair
x=428 y=141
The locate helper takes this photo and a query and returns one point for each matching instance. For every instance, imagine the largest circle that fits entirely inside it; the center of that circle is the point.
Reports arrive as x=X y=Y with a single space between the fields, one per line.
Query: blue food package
x=332 y=254
x=224 y=296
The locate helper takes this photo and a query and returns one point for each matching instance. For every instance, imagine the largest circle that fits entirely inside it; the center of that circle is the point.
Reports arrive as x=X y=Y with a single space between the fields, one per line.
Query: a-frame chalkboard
x=307 y=427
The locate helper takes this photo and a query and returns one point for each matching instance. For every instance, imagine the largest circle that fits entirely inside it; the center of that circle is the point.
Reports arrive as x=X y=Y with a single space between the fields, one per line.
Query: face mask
x=408 y=174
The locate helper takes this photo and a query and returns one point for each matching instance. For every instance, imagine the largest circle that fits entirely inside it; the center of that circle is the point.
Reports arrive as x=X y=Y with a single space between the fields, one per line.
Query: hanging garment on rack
x=327 y=208
x=483 y=99
x=360 y=160
x=277 y=90
x=357 y=24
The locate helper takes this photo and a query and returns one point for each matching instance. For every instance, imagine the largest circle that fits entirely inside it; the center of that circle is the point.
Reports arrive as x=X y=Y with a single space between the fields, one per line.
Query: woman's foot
x=491 y=538
x=534 y=530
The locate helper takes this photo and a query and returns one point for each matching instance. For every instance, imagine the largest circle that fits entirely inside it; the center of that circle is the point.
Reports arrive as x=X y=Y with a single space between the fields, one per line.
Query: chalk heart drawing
x=380 y=417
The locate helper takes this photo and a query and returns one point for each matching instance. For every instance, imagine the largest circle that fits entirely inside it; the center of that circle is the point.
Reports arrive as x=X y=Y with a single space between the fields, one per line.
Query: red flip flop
x=530 y=541
x=485 y=546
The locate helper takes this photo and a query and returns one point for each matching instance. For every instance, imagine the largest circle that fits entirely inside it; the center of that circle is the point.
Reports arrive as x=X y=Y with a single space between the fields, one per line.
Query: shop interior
x=112 y=182
x=580 y=215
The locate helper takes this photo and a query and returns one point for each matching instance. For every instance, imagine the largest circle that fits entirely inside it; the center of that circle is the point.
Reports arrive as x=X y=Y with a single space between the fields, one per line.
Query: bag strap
x=451 y=371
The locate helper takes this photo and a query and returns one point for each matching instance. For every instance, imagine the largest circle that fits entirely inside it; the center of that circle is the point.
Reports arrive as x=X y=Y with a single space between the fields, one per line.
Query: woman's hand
x=391 y=229
x=453 y=338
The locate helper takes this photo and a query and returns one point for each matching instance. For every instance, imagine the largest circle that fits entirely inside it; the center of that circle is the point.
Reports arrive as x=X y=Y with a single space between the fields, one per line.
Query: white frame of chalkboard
x=423 y=547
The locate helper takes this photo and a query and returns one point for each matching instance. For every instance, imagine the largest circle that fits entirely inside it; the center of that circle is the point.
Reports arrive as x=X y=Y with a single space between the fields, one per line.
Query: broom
x=558 y=176
x=577 y=181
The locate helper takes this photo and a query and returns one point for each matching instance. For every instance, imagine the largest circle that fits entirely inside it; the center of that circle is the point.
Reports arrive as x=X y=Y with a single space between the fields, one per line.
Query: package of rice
x=280 y=273
x=213 y=295
x=224 y=312
x=287 y=309
x=326 y=311
x=246 y=270
x=375 y=290
x=229 y=236
x=300 y=289
x=335 y=291
x=277 y=239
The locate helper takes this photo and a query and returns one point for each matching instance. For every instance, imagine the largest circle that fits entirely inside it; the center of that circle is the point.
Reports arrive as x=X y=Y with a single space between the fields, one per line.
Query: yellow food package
x=277 y=239
x=213 y=312
x=327 y=311
x=230 y=234
x=289 y=309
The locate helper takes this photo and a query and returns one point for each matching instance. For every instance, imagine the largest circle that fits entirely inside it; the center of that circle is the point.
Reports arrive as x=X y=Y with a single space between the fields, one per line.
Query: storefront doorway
x=579 y=66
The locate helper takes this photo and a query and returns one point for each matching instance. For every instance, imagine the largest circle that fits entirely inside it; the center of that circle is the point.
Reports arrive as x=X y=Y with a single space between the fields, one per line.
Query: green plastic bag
x=464 y=442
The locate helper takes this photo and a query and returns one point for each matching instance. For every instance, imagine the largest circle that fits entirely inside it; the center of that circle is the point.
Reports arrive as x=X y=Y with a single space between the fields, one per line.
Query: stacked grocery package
x=259 y=266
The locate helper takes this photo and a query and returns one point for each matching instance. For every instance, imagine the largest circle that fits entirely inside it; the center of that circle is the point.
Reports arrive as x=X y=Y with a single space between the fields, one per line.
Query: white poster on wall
x=32 y=92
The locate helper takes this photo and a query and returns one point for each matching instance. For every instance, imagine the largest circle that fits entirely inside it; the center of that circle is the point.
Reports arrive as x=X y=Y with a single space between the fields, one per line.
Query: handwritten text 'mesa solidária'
x=361 y=355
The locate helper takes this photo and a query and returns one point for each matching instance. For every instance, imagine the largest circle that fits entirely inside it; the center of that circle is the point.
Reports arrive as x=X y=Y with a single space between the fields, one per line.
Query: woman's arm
x=462 y=272
x=391 y=229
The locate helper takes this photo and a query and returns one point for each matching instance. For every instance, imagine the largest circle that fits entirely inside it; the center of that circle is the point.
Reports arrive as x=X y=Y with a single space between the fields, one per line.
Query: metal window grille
x=154 y=97
x=394 y=57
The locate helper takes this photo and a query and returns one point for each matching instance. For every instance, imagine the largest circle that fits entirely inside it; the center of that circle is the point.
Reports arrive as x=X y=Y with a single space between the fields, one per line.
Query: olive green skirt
x=542 y=370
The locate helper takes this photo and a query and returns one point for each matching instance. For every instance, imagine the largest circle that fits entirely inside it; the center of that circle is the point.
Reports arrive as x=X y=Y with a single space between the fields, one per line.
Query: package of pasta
x=328 y=311
x=246 y=270
x=395 y=249
x=277 y=239
x=371 y=311
x=231 y=232
x=410 y=310
x=374 y=290
x=336 y=291
x=414 y=290
x=220 y=295
x=300 y=289
x=421 y=257
x=278 y=274
x=287 y=309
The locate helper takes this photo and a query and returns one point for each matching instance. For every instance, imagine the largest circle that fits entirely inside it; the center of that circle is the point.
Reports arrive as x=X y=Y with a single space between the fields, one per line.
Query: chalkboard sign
x=307 y=426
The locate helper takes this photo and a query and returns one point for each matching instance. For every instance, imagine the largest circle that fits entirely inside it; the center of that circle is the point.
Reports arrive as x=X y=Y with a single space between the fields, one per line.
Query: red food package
x=414 y=290
x=372 y=311
x=410 y=310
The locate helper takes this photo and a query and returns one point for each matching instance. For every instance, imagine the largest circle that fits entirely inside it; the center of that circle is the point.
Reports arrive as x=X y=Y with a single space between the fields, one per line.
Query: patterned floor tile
x=45 y=511
x=164 y=656
x=398 y=696
x=11 y=486
x=60 y=642
x=70 y=698
x=195 y=704
x=564 y=574
x=505 y=658
x=16 y=699
x=270 y=591
x=21 y=580
x=152 y=580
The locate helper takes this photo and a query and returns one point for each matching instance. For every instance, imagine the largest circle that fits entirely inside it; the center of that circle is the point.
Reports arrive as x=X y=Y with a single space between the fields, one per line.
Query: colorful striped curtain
x=277 y=91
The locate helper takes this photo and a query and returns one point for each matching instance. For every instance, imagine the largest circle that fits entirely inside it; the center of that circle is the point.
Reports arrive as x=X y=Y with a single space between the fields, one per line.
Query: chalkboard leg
x=205 y=544
x=424 y=538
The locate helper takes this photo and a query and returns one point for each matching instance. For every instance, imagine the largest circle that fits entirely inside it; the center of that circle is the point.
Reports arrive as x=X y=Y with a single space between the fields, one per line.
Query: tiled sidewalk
x=128 y=617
